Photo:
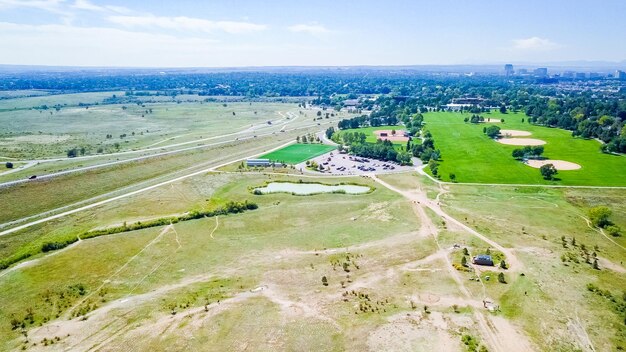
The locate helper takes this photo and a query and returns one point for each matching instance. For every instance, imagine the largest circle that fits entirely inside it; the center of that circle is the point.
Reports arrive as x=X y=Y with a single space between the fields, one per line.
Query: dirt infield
x=558 y=164
x=398 y=137
x=514 y=133
x=521 y=141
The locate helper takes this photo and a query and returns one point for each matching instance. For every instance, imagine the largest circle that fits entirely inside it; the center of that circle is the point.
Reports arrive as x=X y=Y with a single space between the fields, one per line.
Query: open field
x=553 y=290
x=297 y=153
x=108 y=128
x=207 y=278
x=283 y=224
x=381 y=270
x=475 y=158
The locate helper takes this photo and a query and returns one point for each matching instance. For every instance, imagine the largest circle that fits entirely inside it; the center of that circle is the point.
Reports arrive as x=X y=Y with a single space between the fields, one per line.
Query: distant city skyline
x=325 y=33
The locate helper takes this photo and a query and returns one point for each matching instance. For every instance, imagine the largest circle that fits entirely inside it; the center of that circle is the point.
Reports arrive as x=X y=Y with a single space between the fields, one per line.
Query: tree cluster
x=528 y=152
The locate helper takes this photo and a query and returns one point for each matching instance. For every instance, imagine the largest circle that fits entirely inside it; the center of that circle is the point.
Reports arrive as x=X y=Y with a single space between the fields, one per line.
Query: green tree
x=599 y=216
x=518 y=154
x=595 y=264
x=324 y=281
x=452 y=177
x=8 y=165
x=492 y=131
x=503 y=109
x=464 y=261
x=404 y=158
x=613 y=230
x=548 y=171
x=434 y=167
x=501 y=278
x=503 y=264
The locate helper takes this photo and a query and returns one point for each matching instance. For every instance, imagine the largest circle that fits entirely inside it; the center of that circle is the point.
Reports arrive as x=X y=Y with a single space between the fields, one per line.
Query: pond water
x=310 y=188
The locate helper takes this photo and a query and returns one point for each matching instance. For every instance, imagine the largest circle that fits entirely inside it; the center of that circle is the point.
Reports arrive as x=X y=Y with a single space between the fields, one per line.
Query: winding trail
x=217 y=224
x=500 y=337
x=421 y=198
x=600 y=231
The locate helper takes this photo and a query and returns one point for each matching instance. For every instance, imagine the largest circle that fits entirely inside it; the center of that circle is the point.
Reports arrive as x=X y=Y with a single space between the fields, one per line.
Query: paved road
x=129 y=194
x=86 y=168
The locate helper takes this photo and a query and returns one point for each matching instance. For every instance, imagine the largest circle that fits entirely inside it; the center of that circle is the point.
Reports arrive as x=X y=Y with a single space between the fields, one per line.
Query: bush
x=599 y=216
x=9 y=165
x=230 y=207
x=501 y=278
x=613 y=230
x=53 y=246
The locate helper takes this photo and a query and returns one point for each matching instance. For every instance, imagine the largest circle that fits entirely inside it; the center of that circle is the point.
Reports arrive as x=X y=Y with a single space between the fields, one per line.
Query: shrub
x=613 y=230
x=599 y=216
x=501 y=278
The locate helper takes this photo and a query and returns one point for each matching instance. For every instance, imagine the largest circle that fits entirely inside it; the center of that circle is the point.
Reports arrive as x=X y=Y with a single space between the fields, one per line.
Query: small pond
x=310 y=188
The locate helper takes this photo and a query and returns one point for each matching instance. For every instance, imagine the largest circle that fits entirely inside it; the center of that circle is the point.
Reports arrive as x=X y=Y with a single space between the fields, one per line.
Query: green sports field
x=473 y=157
x=297 y=153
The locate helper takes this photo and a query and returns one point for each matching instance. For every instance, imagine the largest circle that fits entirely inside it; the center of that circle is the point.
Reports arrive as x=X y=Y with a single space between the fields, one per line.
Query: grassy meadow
x=215 y=263
x=475 y=158
x=28 y=133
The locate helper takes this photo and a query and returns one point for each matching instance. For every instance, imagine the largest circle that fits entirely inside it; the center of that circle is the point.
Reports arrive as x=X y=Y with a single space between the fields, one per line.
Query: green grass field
x=297 y=153
x=473 y=157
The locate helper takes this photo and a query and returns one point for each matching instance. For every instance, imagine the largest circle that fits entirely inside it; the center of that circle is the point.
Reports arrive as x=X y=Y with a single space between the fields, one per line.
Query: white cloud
x=182 y=23
x=86 y=5
x=89 y=6
x=67 y=45
x=45 y=5
x=534 y=43
x=314 y=29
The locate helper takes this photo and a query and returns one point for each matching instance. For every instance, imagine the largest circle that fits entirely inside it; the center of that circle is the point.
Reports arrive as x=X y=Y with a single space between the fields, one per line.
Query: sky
x=185 y=33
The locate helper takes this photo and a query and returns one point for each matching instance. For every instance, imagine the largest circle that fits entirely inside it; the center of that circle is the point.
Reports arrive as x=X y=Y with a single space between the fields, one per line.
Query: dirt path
x=600 y=231
x=499 y=337
x=108 y=279
x=35 y=261
x=217 y=224
x=421 y=198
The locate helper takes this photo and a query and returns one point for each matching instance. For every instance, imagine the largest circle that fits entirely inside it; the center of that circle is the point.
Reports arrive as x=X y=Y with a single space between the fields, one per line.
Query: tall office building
x=508 y=70
x=541 y=72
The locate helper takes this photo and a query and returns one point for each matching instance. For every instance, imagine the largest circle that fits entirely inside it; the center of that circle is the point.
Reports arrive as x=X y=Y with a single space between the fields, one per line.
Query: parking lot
x=335 y=163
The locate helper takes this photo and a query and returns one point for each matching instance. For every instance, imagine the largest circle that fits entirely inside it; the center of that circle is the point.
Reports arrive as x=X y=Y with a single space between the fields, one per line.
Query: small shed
x=483 y=259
